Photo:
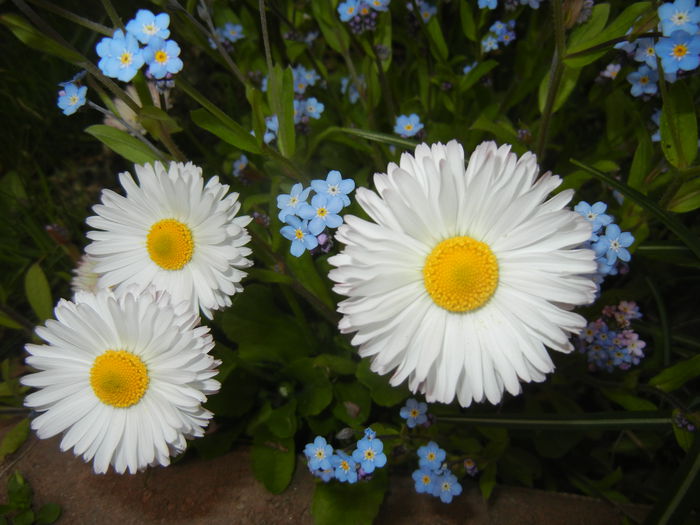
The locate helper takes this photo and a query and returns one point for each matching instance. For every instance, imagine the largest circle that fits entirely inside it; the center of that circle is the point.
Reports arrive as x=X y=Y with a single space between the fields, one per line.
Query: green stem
x=68 y=15
x=265 y=36
x=582 y=422
x=113 y=15
x=555 y=76
x=167 y=140
x=663 y=320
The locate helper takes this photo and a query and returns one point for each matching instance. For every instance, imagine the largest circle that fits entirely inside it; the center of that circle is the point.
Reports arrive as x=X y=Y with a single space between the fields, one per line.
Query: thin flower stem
x=19 y=319
x=555 y=76
x=265 y=36
x=113 y=15
x=167 y=140
x=68 y=15
x=132 y=131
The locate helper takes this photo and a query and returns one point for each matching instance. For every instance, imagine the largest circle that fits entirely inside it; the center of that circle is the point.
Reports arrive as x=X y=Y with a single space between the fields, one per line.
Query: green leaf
x=679 y=126
x=687 y=198
x=339 y=365
x=35 y=39
x=306 y=272
x=48 y=514
x=379 y=137
x=273 y=461
x=568 y=82
x=280 y=97
x=673 y=224
x=641 y=162
x=677 y=375
x=269 y=276
x=38 y=292
x=627 y=400
x=14 y=438
x=681 y=491
x=132 y=149
x=334 y=34
x=353 y=403
x=466 y=15
x=8 y=322
x=438 y=46
x=487 y=481
x=343 y=504
x=501 y=129
x=684 y=438
x=19 y=493
x=379 y=388
x=24 y=518
x=283 y=420
x=583 y=34
x=471 y=78
x=315 y=390
x=228 y=131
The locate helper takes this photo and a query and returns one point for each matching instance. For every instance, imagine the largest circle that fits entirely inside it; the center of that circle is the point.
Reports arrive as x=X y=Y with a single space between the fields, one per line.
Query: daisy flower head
x=123 y=376
x=174 y=232
x=85 y=278
x=464 y=274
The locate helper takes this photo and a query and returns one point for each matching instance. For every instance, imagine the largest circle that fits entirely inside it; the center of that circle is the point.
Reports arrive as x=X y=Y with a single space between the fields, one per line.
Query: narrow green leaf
x=681 y=492
x=8 y=322
x=38 y=292
x=379 y=137
x=587 y=32
x=687 y=198
x=487 y=481
x=678 y=117
x=14 y=438
x=476 y=74
x=229 y=132
x=641 y=162
x=269 y=276
x=566 y=86
x=280 y=97
x=35 y=39
x=273 y=460
x=438 y=46
x=676 y=376
x=501 y=129
x=596 y=421
x=132 y=149
x=628 y=401
x=334 y=34
x=343 y=504
x=466 y=15
x=673 y=224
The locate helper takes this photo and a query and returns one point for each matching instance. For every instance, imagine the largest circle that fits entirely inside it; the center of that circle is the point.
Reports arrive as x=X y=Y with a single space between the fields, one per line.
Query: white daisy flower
x=85 y=278
x=173 y=232
x=465 y=275
x=122 y=377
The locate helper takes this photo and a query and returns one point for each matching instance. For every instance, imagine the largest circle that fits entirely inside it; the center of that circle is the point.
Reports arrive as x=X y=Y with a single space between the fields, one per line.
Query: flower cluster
x=610 y=246
x=425 y=10
x=609 y=342
x=433 y=476
x=408 y=125
x=121 y=56
x=681 y=421
x=678 y=48
x=499 y=33
x=510 y=5
x=361 y=15
x=347 y=86
x=327 y=464
x=305 y=223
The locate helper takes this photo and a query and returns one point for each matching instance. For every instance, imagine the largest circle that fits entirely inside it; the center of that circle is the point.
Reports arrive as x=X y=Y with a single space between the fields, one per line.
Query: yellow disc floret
x=160 y=56
x=170 y=244
x=461 y=274
x=119 y=378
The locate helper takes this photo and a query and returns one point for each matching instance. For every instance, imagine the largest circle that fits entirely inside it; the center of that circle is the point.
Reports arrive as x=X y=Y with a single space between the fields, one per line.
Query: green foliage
x=18 y=509
x=358 y=504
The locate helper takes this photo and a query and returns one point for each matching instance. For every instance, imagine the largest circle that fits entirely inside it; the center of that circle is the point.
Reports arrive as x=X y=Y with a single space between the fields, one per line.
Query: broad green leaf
x=672 y=223
x=131 y=148
x=25 y=517
x=438 y=46
x=228 y=131
x=487 y=481
x=344 y=504
x=379 y=388
x=641 y=162
x=273 y=461
x=687 y=198
x=14 y=438
x=314 y=391
x=280 y=98
x=283 y=420
x=676 y=376
x=19 y=492
x=587 y=32
x=35 y=39
x=679 y=126
x=353 y=403
x=38 y=292
x=306 y=272
x=48 y=514
x=567 y=84
x=466 y=15
x=337 y=364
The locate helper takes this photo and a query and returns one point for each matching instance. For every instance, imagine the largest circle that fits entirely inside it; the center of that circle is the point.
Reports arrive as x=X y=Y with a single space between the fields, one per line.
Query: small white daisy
x=173 y=232
x=465 y=275
x=122 y=377
x=85 y=279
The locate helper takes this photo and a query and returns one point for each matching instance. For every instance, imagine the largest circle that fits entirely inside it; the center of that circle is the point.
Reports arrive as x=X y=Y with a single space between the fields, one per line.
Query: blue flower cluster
x=239 y=165
x=407 y=125
x=306 y=222
x=361 y=15
x=425 y=10
x=414 y=413
x=327 y=464
x=678 y=48
x=121 y=56
x=433 y=476
x=609 y=342
x=71 y=96
x=510 y=4
x=610 y=246
x=348 y=86
x=499 y=33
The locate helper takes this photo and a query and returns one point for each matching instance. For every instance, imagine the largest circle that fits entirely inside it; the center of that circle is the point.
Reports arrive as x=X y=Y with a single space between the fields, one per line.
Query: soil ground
x=224 y=491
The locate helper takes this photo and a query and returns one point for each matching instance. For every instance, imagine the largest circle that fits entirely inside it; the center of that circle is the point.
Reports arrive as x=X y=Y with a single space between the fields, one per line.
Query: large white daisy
x=123 y=377
x=465 y=275
x=173 y=232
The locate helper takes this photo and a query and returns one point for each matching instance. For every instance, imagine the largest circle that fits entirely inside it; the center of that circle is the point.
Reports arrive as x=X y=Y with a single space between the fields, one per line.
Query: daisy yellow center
x=125 y=58
x=161 y=57
x=170 y=244
x=461 y=274
x=680 y=50
x=119 y=378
